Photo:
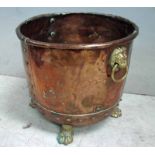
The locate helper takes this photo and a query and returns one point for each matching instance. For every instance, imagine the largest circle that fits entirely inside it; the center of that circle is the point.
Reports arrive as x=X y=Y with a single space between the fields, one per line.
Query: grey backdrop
x=141 y=77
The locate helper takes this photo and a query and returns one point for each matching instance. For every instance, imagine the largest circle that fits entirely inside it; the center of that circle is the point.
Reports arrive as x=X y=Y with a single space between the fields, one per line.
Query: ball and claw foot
x=116 y=113
x=65 y=135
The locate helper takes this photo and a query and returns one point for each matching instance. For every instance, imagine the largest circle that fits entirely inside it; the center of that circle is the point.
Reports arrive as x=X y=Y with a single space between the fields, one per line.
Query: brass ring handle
x=119 y=61
x=114 y=69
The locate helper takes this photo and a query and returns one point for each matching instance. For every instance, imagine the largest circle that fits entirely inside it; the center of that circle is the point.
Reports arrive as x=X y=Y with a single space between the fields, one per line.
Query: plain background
x=141 y=77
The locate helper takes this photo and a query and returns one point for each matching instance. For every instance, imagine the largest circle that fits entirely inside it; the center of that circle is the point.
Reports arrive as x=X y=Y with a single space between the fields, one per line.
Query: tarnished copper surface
x=67 y=62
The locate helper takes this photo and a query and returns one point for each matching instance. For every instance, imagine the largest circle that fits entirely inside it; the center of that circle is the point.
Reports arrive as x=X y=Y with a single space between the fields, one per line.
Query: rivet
x=68 y=119
x=98 y=109
x=52 y=34
x=52 y=20
x=51 y=91
x=57 y=118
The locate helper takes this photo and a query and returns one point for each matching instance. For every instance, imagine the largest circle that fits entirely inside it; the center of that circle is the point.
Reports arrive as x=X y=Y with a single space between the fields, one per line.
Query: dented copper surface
x=67 y=63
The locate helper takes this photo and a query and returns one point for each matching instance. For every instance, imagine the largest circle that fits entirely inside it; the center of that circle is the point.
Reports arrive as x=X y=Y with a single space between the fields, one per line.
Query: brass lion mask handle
x=118 y=61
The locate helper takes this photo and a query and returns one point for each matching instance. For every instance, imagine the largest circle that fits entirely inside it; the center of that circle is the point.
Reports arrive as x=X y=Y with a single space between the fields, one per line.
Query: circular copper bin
x=67 y=61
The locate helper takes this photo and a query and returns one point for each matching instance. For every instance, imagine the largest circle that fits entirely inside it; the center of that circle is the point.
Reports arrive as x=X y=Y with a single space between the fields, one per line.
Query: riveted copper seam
x=76 y=46
x=76 y=115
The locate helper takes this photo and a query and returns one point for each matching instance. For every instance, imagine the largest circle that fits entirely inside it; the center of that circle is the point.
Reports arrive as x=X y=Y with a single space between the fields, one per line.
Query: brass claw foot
x=32 y=104
x=66 y=135
x=116 y=113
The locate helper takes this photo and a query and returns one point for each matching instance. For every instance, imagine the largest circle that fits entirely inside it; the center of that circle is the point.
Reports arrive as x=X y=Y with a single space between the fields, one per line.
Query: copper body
x=67 y=63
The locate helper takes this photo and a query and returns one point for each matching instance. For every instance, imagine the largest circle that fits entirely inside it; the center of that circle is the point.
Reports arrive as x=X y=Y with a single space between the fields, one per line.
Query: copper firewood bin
x=76 y=66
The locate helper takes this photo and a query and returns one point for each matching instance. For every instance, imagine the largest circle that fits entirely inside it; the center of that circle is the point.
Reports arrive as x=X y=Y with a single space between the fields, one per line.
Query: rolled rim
x=37 y=43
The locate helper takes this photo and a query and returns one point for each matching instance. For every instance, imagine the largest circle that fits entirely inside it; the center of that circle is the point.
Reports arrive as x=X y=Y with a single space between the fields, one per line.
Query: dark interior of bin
x=76 y=28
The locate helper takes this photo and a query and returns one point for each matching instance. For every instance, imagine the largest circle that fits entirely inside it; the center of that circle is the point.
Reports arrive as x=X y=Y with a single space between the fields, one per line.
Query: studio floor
x=21 y=125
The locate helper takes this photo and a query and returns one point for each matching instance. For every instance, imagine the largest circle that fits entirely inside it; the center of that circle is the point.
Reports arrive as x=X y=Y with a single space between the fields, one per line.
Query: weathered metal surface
x=67 y=62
